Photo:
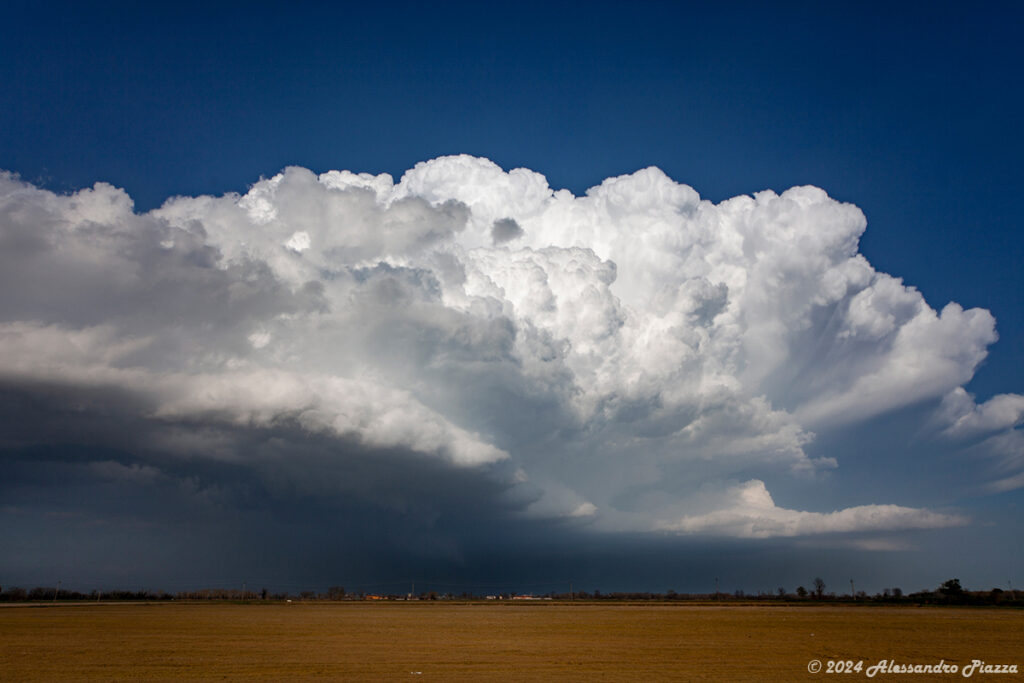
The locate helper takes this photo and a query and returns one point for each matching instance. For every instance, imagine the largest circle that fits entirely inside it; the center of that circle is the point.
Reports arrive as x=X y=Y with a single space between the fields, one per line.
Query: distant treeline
x=949 y=593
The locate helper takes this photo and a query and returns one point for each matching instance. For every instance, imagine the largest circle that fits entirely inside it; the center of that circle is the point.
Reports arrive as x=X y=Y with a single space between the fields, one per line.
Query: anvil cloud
x=633 y=360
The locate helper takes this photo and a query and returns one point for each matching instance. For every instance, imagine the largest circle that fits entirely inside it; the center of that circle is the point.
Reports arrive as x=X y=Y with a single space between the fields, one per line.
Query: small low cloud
x=751 y=513
x=584 y=510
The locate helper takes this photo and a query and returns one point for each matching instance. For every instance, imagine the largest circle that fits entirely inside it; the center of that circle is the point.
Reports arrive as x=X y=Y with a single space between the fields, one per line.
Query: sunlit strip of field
x=353 y=641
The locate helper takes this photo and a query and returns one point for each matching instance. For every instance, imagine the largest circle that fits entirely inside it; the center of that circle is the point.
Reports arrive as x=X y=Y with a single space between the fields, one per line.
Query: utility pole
x=716 y=589
x=56 y=591
x=852 y=593
x=572 y=596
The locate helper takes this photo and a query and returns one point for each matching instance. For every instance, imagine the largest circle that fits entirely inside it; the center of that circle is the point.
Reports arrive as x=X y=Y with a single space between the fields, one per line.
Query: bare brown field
x=361 y=641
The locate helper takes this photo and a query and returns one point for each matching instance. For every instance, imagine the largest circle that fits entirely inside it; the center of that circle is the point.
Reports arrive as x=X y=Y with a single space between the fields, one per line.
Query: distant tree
x=336 y=593
x=897 y=593
x=819 y=587
x=952 y=591
x=263 y=594
x=951 y=588
x=782 y=592
x=801 y=592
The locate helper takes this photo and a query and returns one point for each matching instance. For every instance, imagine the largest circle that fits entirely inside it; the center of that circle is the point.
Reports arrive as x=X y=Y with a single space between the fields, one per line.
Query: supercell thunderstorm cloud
x=368 y=373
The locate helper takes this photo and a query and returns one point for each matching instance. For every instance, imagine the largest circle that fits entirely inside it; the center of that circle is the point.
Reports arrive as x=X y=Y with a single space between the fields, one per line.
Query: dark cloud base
x=134 y=516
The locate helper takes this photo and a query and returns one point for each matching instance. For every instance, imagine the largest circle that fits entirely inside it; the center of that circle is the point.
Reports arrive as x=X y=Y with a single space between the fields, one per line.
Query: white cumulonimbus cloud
x=605 y=356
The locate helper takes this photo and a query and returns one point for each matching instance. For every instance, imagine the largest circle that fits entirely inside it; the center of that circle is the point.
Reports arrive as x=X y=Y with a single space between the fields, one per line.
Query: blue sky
x=909 y=111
